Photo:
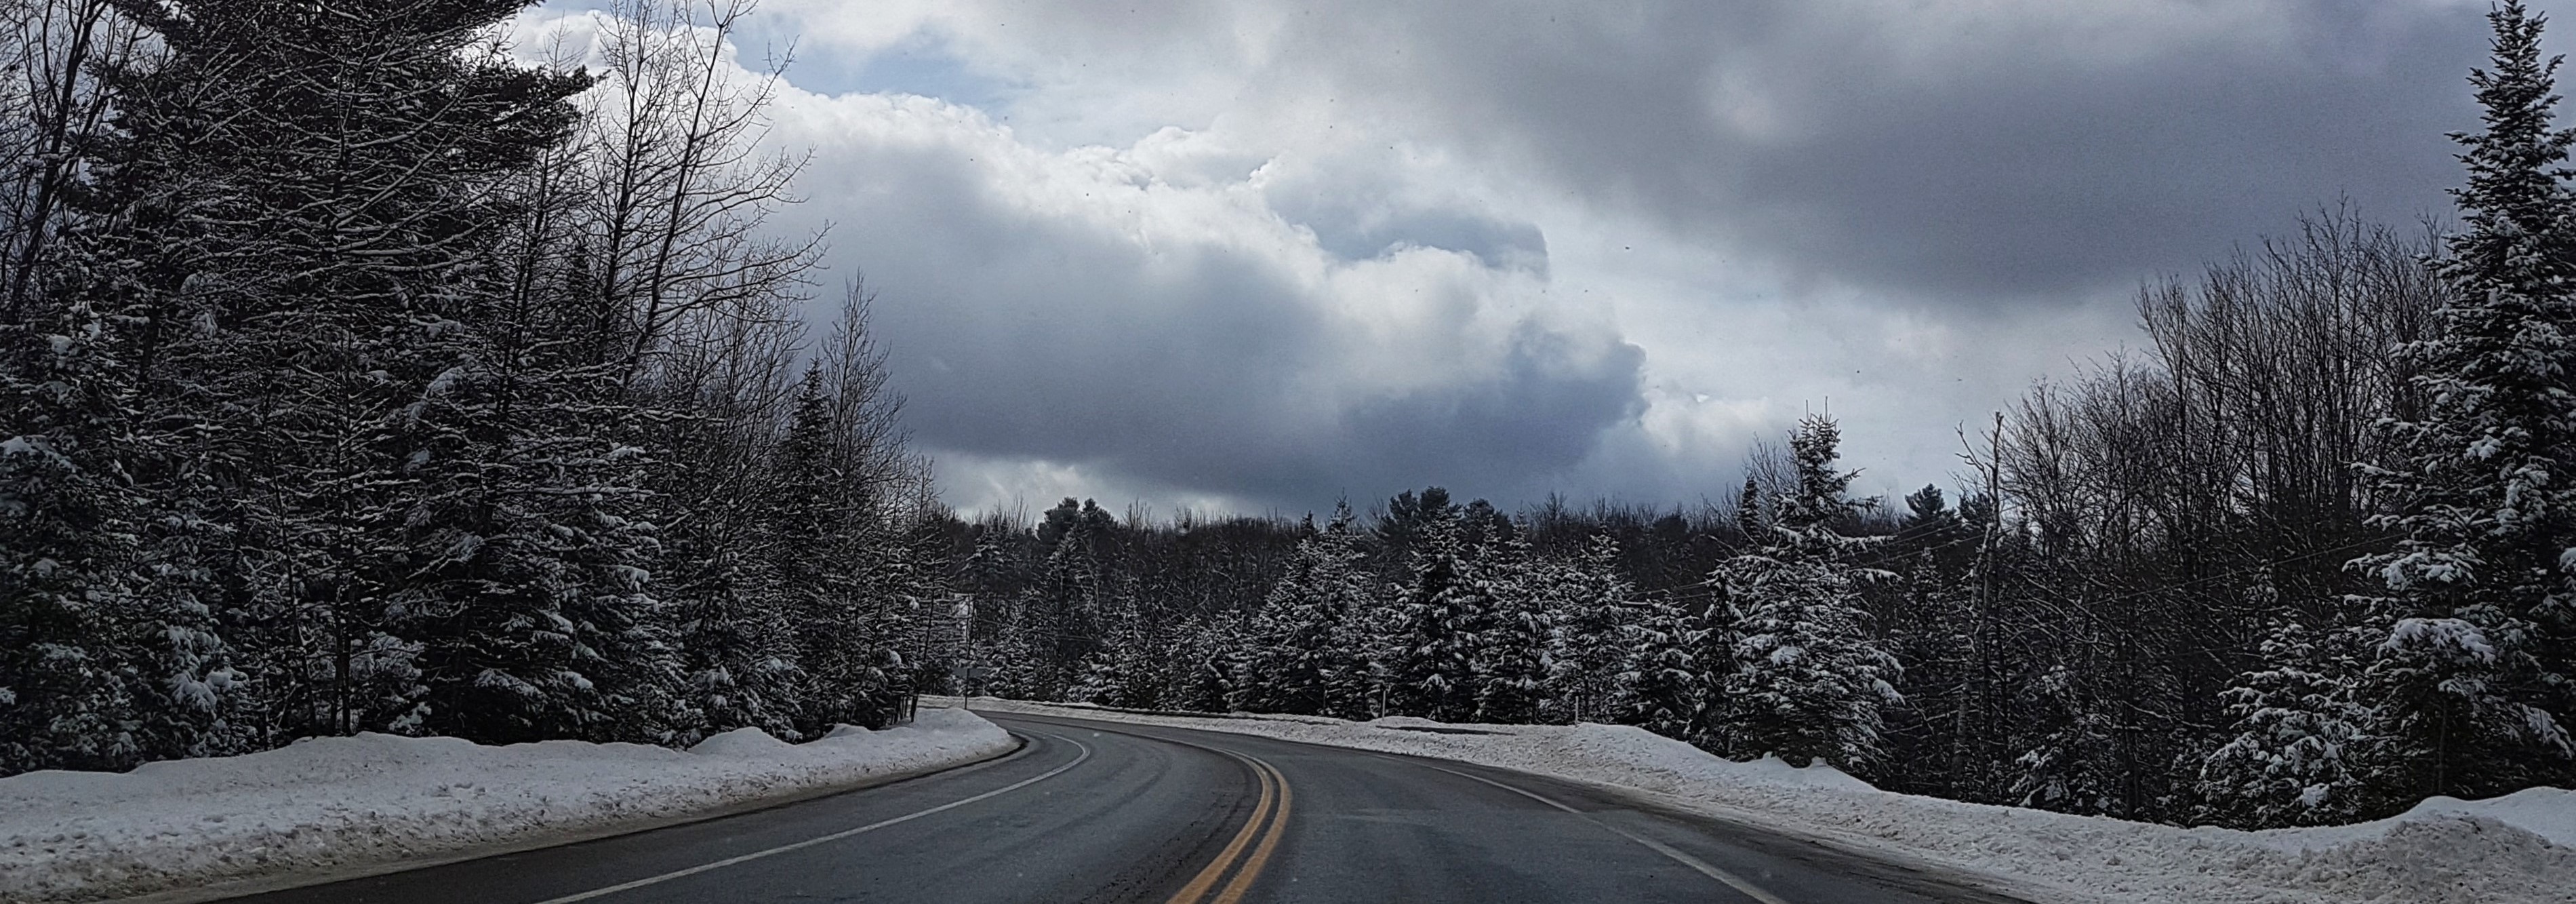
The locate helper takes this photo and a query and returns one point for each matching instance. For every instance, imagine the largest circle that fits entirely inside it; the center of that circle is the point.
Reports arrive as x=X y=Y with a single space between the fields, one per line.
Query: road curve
x=1098 y=811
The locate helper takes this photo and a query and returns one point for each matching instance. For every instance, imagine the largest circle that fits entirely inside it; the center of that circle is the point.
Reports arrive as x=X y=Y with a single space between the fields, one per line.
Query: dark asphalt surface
x=1097 y=811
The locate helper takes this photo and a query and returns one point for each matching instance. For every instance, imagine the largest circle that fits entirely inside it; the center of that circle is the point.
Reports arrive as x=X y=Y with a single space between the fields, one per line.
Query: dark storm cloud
x=1541 y=415
x=1189 y=361
x=2008 y=160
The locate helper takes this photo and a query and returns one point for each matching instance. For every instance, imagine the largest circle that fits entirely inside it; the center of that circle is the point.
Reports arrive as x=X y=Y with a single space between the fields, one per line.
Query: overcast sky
x=1258 y=255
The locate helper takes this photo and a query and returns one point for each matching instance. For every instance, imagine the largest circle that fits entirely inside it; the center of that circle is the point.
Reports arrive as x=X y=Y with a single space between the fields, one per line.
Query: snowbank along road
x=1099 y=811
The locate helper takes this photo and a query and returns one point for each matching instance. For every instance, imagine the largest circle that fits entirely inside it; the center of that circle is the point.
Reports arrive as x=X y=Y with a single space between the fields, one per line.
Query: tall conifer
x=2470 y=677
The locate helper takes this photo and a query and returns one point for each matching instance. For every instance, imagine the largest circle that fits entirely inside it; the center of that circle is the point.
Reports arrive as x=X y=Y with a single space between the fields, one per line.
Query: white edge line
x=826 y=839
x=1704 y=867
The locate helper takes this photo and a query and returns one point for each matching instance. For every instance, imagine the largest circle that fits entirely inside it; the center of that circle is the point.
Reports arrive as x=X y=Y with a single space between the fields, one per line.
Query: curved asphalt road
x=1097 y=811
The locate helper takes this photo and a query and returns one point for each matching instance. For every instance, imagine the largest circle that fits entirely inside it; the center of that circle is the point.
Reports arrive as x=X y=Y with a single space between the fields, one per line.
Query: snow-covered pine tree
x=854 y=669
x=1135 y=668
x=1206 y=666
x=2473 y=679
x=1591 y=635
x=841 y=555
x=528 y=547
x=1342 y=662
x=1431 y=670
x=865 y=552
x=83 y=684
x=1808 y=681
x=812 y=541
x=294 y=222
x=1066 y=626
x=424 y=387
x=1662 y=687
x=922 y=613
x=693 y=315
x=1363 y=645
x=1404 y=520
x=987 y=579
x=1272 y=678
x=1748 y=510
x=2298 y=734
x=1295 y=654
x=737 y=653
x=2063 y=737
x=1009 y=661
x=1513 y=631
x=110 y=648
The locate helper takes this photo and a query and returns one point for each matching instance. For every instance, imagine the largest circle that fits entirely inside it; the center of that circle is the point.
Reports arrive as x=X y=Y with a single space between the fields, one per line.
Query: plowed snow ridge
x=339 y=806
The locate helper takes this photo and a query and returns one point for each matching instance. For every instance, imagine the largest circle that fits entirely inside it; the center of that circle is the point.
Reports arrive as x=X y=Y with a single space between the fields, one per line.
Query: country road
x=1096 y=811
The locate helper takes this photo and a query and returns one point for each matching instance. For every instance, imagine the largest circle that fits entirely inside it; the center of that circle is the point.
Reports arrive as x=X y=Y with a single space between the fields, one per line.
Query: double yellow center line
x=1260 y=834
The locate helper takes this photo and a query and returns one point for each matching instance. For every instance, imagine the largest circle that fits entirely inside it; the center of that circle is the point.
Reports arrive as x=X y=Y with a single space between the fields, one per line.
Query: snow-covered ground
x=2509 y=850
x=353 y=806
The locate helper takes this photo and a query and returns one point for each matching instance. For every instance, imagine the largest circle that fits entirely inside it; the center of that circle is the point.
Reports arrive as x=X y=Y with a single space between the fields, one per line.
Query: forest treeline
x=355 y=377
x=2304 y=558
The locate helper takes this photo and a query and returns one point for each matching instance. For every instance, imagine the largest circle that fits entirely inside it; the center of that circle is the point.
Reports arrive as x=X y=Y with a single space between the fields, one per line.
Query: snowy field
x=333 y=807
x=2509 y=850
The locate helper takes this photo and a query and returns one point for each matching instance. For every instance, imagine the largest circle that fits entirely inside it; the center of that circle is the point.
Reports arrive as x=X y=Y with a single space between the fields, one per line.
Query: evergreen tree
x=1273 y=677
x=338 y=397
x=1513 y=632
x=738 y=654
x=2063 y=732
x=96 y=670
x=1406 y=518
x=1206 y=666
x=2474 y=676
x=1364 y=648
x=1010 y=663
x=2299 y=734
x=1926 y=630
x=1135 y=670
x=1591 y=633
x=529 y=537
x=1807 y=681
x=295 y=222
x=1662 y=687
x=1294 y=656
x=1067 y=622
x=1431 y=670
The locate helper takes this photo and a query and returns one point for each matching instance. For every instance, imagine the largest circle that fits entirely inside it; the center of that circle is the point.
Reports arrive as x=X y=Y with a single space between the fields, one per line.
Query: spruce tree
x=1591 y=633
x=2293 y=760
x=1431 y=670
x=2063 y=734
x=1363 y=645
x=1513 y=631
x=80 y=686
x=1206 y=675
x=1135 y=669
x=1274 y=679
x=1662 y=686
x=2472 y=677
x=1295 y=654
x=1807 y=681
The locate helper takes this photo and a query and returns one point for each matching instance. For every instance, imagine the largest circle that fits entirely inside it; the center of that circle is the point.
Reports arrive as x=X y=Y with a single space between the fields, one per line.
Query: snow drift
x=2508 y=850
x=333 y=807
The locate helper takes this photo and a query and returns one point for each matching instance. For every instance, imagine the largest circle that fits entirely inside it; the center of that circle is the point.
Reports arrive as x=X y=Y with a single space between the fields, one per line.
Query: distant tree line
x=2307 y=558
x=354 y=377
